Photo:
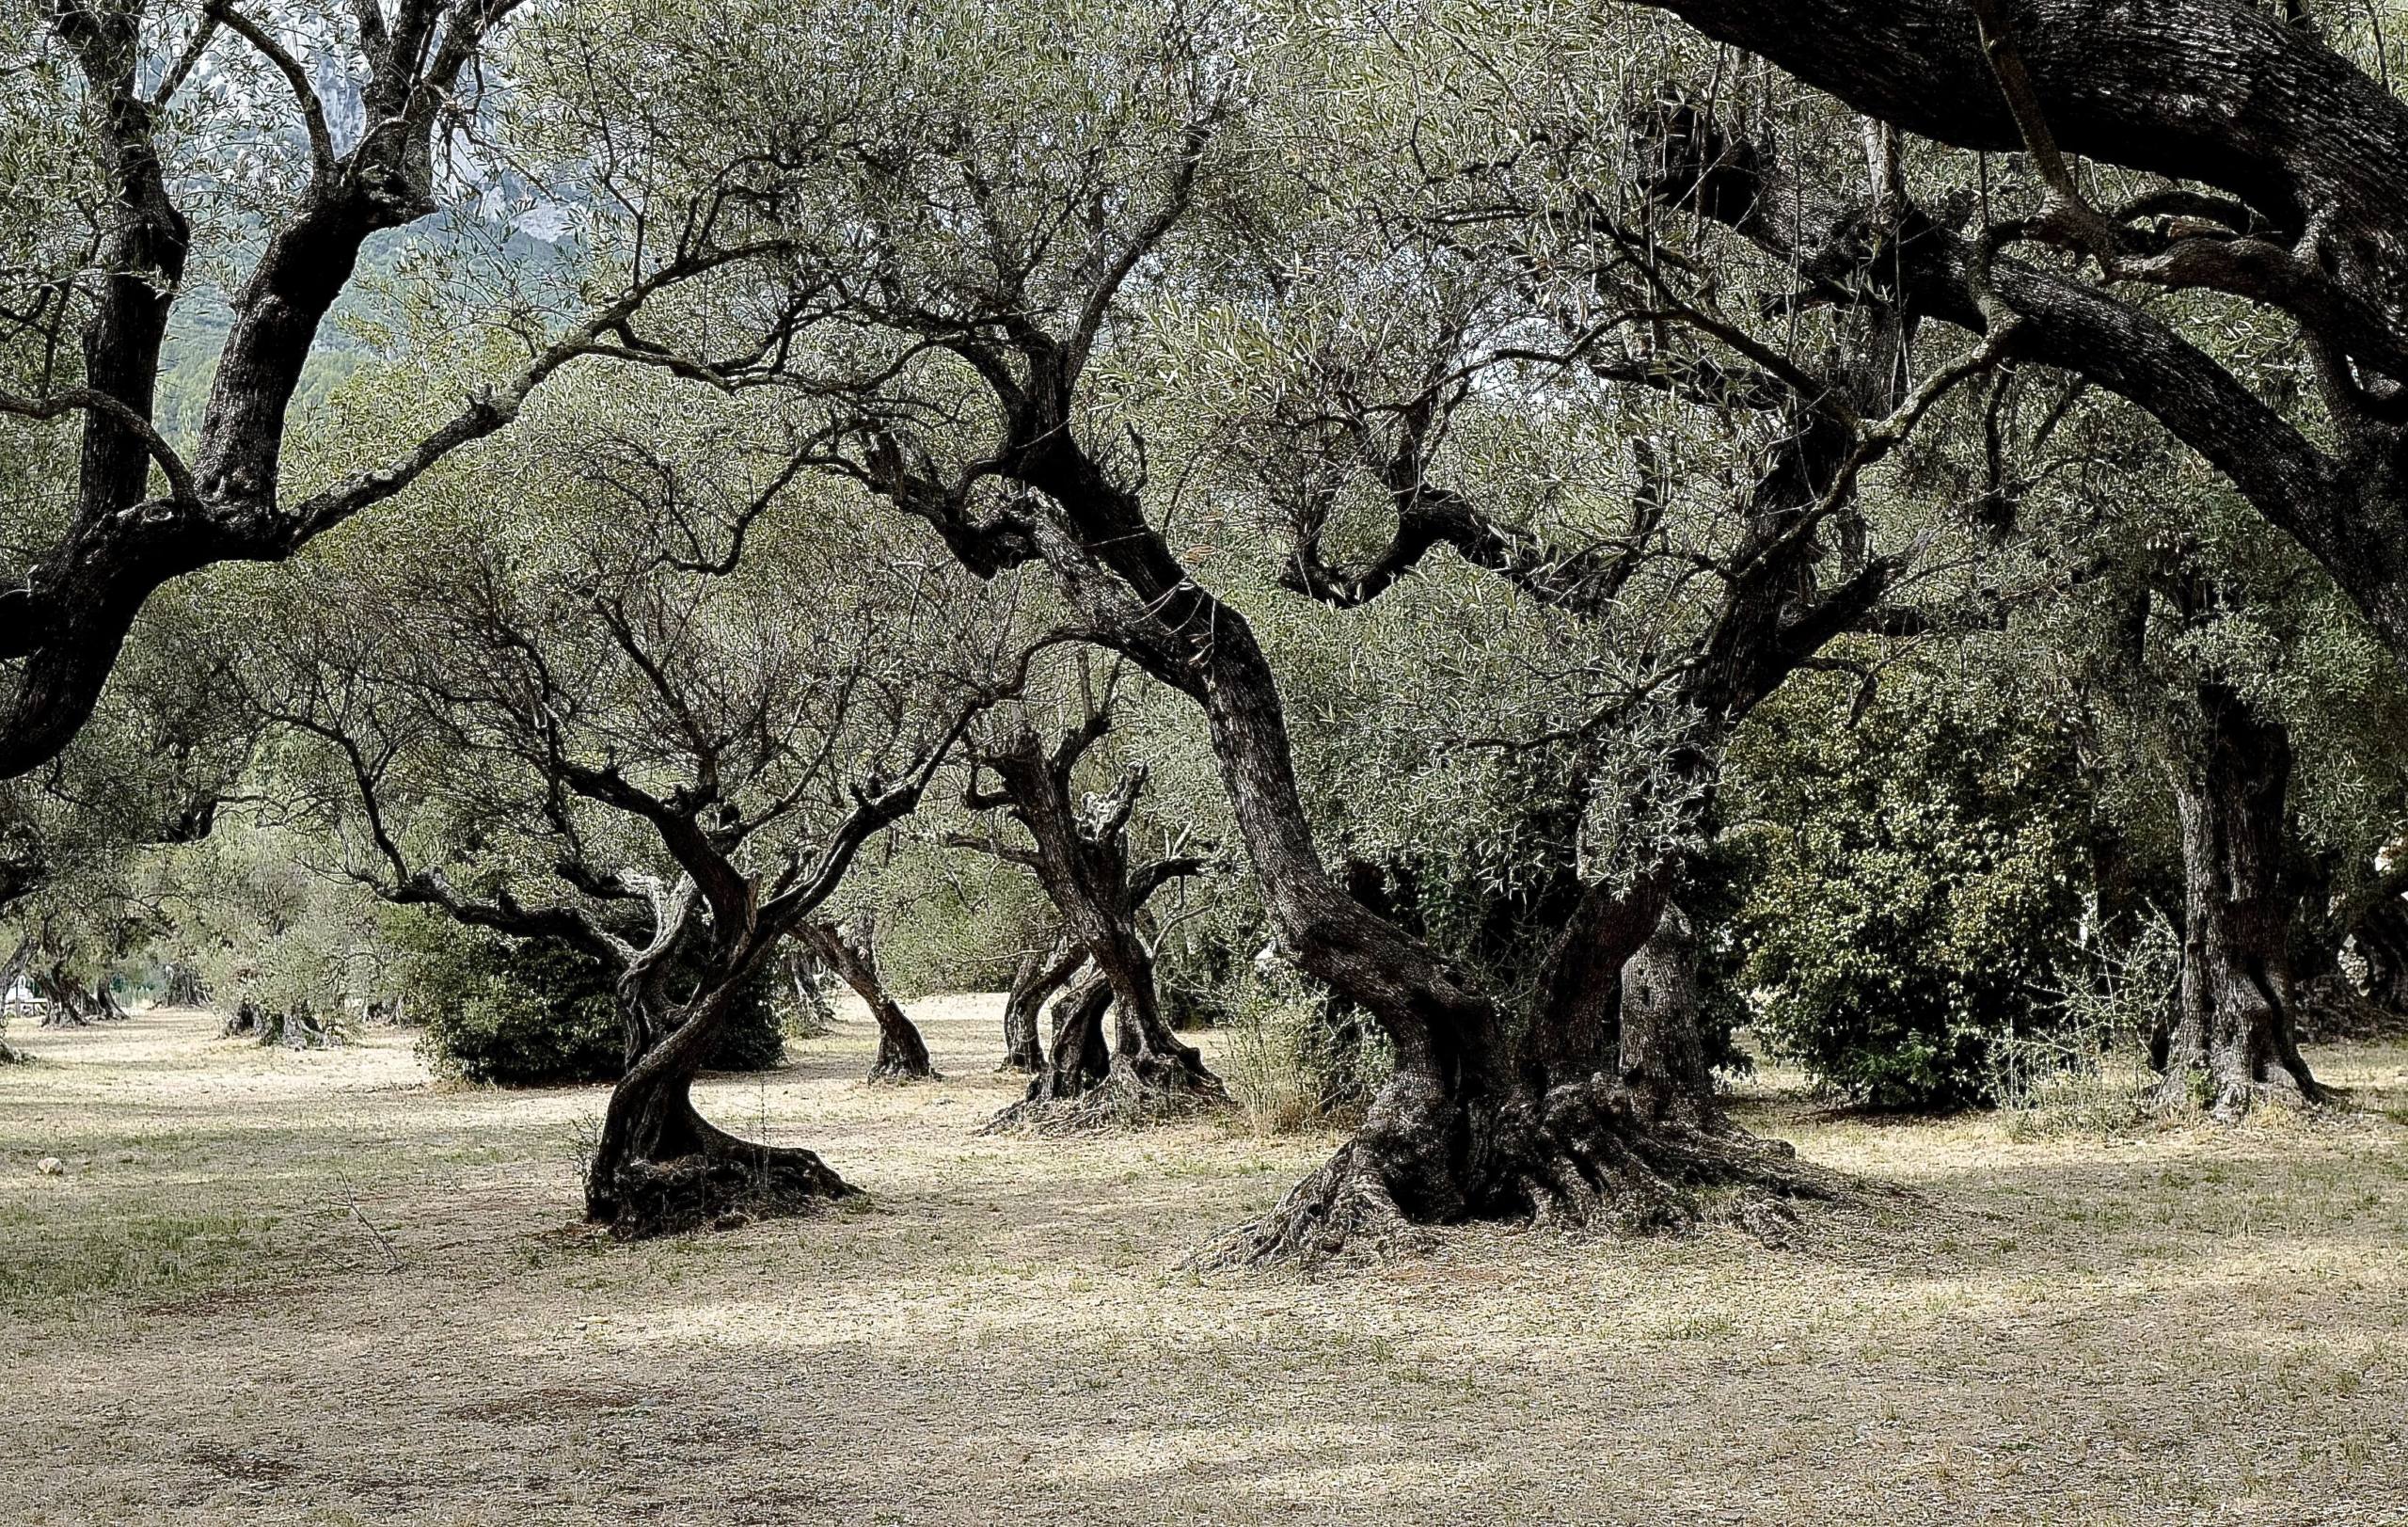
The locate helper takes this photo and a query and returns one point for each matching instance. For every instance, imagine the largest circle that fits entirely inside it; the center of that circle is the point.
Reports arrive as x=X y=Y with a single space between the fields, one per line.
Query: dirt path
x=276 y=1288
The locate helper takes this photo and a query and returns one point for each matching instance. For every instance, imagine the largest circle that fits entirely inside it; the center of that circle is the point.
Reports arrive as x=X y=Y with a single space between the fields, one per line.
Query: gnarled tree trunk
x=1466 y=1128
x=1042 y=973
x=659 y=1166
x=1080 y=854
x=850 y=951
x=2233 y=1033
x=66 y=1005
x=1663 y=1051
x=1081 y=1060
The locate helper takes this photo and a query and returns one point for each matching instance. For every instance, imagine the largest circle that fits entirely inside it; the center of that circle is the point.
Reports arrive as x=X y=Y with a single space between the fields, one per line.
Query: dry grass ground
x=280 y=1288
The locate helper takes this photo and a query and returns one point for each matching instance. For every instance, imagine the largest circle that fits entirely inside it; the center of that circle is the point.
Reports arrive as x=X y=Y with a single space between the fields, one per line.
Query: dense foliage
x=532 y=1012
x=1915 y=879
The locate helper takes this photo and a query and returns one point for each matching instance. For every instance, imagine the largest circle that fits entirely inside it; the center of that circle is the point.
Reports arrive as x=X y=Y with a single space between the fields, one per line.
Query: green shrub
x=529 y=1013
x=1910 y=885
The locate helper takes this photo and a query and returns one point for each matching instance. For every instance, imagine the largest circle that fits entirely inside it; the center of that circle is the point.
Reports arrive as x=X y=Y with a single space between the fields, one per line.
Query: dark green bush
x=529 y=1013
x=1909 y=884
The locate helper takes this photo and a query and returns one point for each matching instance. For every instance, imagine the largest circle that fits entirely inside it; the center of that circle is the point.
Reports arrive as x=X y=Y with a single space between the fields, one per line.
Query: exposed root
x=1591 y=1155
x=1597 y=1154
x=2193 y=1093
x=1342 y=1213
x=900 y=1071
x=721 y=1188
x=1130 y=1097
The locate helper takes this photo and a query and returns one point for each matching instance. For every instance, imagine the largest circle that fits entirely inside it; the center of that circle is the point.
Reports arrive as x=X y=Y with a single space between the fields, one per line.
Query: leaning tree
x=848 y=947
x=657 y=720
x=150 y=147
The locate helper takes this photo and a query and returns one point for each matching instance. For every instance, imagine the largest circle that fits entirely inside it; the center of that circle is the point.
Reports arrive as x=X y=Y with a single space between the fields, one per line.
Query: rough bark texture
x=1663 y=1051
x=2308 y=147
x=1081 y=1057
x=850 y=950
x=1040 y=974
x=1080 y=853
x=659 y=1167
x=1467 y=1127
x=65 y=611
x=2233 y=1034
x=67 y=1003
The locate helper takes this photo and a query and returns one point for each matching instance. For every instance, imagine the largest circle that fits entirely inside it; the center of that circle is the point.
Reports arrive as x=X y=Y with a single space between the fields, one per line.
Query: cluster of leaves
x=1912 y=883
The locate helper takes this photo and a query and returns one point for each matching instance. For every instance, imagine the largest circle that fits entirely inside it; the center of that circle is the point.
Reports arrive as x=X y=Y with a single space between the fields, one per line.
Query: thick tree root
x=1130 y=1096
x=2189 y=1092
x=1343 y=1212
x=722 y=1188
x=1591 y=1155
x=899 y=1070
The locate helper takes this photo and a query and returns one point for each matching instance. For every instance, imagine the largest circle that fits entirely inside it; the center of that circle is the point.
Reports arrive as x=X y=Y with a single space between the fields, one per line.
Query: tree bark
x=1042 y=973
x=1662 y=1050
x=852 y=953
x=66 y=1003
x=2208 y=92
x=659 y=1167
x=1082 y=1061
x=2233 y=1035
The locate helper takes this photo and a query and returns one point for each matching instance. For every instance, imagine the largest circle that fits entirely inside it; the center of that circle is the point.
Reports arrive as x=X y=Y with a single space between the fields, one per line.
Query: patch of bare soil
x=276 y=1287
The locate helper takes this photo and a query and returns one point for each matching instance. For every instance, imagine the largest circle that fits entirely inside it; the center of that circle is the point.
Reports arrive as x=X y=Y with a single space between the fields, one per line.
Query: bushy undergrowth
x=520 y=1013
x=1912 y=883
x=1296 y=1060
x=2089 y=1073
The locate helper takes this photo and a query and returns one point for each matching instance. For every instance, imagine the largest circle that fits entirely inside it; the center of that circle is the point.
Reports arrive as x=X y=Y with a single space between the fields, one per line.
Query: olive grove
x=1565 y=547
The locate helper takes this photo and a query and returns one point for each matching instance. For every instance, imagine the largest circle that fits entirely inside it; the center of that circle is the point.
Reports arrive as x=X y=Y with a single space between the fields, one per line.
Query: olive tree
x=993 y=233
x=658 y=721
x=169 y=166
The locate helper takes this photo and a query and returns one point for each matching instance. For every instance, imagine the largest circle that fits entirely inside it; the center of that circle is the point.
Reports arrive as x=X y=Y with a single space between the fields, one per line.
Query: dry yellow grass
x=277 y=1288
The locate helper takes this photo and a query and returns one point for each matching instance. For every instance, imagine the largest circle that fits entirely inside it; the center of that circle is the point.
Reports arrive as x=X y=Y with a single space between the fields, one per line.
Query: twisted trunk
x=1461 y=1130
x=1080 y=1059
x=66 y=1005
x=1080 y=857
x=1040 y=974
x=2233 y=1035
x=852 y=953
x=659 y=1167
